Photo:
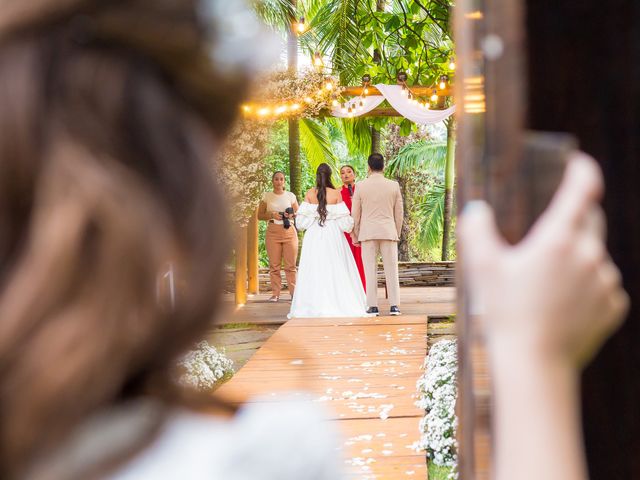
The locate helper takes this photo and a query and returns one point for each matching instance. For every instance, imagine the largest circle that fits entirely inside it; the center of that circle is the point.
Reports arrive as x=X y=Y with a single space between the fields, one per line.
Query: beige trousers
x=282 y=244
x=389 y=252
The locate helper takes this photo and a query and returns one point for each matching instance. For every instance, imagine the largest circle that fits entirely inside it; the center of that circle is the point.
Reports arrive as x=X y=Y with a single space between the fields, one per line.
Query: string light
x=309 y=99
x=295 y=106
x=281 y=109
x=334 y=102
x=443 y=82
x=452 y=64
x=263 y=111
x=434 y=96
x=328 y=84
x=246 y=108
x=366 y=91
x=301 y=27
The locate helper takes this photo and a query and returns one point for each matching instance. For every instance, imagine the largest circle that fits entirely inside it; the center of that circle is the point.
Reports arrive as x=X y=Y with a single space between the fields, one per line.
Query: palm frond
x=275 y=13
x=419 y=155
x=335 y=31
x=316 y=143
x=431 y=209
x=357 y=133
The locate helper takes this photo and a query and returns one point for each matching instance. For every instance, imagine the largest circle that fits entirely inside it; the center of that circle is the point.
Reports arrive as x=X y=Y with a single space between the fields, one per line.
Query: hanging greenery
x=242 y=169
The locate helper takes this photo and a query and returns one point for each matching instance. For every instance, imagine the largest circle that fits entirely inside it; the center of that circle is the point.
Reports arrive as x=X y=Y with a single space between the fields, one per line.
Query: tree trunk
x=403 y=244
x=295 y=167
x=449 y=187
x=375 y=140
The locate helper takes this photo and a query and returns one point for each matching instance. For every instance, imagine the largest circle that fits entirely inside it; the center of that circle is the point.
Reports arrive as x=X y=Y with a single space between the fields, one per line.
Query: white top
x=308 y=215
x=264 y=441
x=278 y=203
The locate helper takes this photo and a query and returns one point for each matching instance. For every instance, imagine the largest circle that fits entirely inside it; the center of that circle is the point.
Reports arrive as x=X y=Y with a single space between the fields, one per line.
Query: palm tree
x=310 y=135
x=431 y=207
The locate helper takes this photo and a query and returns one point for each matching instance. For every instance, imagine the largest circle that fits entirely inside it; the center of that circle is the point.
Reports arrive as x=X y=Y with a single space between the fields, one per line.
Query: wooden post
x=253 y=255
x=241 y=266
x=561 y=40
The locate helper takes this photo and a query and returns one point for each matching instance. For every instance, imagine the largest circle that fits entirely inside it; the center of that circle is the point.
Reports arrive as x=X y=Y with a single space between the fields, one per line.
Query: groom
x=377 y=214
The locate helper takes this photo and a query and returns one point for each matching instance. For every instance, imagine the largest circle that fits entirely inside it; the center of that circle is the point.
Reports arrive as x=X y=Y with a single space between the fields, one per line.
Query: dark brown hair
x=106 y=132
x=323 y=180
x=376 y=162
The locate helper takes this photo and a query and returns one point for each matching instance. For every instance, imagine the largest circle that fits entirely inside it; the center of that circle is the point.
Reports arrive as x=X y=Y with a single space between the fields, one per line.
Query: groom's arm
x=356 y=212
x=398 y=212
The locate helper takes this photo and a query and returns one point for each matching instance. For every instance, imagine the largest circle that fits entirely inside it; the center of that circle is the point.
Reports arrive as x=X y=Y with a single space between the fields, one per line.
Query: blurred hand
x=557 y=294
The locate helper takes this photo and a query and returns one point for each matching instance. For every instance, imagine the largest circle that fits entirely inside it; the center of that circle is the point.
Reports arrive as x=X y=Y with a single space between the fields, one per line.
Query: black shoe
x=394 y=310
x=373 y=311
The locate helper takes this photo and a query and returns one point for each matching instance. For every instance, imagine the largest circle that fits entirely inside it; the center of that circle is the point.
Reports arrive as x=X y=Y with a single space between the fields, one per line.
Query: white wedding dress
x=328 y=283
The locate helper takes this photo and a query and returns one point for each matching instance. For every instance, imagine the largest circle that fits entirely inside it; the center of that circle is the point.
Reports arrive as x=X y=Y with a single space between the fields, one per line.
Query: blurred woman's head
x=278 y=181
x=109 y=114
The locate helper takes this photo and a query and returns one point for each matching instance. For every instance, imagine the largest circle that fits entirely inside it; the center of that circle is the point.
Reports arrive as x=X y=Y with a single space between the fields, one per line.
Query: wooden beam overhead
x=378 y=112
x=418 y=90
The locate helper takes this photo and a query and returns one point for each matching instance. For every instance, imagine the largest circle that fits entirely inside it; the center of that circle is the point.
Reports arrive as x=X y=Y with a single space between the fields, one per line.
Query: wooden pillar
x=241 y=266
x=562 y=41
x=253 y=259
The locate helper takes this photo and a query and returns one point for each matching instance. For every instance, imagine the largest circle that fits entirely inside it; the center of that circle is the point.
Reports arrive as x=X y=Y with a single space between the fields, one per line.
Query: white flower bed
x=437 y=396
x=204 y=368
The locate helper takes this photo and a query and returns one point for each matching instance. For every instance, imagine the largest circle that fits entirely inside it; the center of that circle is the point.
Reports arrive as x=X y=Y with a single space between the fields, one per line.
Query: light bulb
x=452 y=65
x=301 y=25
x=334 y=102
x=328 y=85
x=295 y=106
x=434 y=97
x=366 y=91
x=263 y=111
x=442 y=85
x=281 y=109
x=308 y=99
x=246 y=108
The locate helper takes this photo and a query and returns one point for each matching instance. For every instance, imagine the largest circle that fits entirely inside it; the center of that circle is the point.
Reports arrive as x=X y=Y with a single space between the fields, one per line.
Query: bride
x=328 y=280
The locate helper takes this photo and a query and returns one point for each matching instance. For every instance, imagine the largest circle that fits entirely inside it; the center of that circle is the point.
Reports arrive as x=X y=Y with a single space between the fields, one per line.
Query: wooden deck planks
x=416 y=301
x=361 y=370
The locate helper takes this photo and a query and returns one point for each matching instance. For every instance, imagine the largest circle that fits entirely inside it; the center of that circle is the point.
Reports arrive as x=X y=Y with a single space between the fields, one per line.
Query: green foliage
x=419 y=155
x=436 y=472
x=408 y=35
x=275 y=13
x=357 y=133
x=431 y=209
x=316 y=143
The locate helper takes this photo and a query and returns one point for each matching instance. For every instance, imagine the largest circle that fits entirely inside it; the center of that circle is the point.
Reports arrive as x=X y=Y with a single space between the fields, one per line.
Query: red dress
x=357 y=251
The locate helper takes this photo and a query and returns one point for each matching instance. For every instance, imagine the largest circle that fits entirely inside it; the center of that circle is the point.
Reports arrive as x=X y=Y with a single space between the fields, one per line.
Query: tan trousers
x=282 y=244
x=389 y=251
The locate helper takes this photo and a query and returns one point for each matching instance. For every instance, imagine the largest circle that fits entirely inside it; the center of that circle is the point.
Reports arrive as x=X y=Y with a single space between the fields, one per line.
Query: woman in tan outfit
x=281 y=242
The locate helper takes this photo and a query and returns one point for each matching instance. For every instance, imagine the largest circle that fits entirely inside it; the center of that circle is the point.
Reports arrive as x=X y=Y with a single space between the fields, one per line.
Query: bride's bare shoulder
x=311 y=196
x=334 y=196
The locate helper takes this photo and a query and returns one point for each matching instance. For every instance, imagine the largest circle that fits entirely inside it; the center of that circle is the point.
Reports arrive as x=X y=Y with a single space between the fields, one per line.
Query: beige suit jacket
x=377 y=209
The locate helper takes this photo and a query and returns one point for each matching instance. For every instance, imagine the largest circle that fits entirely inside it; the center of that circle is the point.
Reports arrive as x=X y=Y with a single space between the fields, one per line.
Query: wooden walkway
x=364 y=371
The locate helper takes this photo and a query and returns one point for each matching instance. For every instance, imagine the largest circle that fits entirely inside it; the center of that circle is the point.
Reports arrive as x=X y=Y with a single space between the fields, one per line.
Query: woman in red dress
x=348 y=176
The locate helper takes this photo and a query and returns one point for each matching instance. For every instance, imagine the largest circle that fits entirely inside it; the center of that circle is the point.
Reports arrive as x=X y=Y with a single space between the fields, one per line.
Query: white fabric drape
x=369 y=104
x=393 y=94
